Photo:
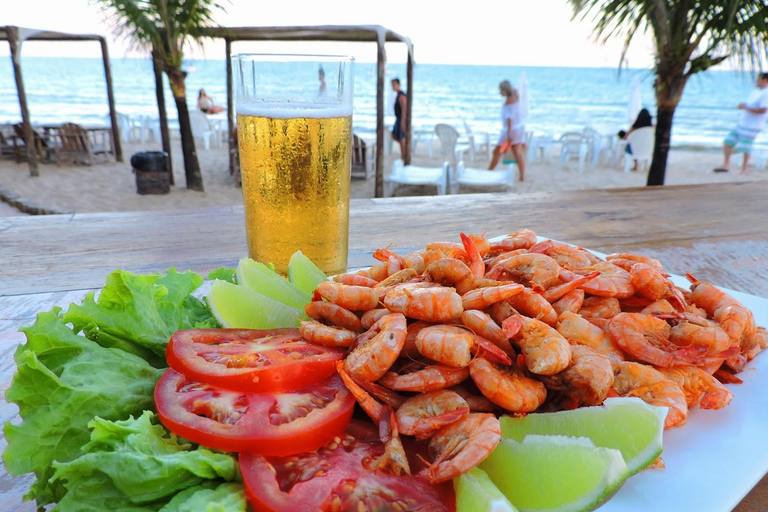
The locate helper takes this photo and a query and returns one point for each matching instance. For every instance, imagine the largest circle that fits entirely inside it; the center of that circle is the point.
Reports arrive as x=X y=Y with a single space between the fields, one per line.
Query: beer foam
x=294 y=110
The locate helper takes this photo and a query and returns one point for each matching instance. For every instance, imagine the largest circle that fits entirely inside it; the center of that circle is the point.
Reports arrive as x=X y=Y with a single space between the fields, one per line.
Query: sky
x=487 y=32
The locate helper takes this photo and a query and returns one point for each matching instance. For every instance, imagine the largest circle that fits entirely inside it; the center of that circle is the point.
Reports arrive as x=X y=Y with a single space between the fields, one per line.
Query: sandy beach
x=111 y=186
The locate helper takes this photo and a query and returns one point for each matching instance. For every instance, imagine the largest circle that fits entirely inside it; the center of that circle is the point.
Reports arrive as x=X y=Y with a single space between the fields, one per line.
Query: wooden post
x=233 y=152
x=381 y=64
x=116 y=143
x=157 y=68
x=29 y=137
x=409 y=108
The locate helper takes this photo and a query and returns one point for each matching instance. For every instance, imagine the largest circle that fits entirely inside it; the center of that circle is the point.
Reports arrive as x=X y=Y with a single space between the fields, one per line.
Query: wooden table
x=717 y=232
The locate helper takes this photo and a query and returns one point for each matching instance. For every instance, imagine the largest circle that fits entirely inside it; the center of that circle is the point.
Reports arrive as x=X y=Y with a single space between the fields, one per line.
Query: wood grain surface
x=717 y=232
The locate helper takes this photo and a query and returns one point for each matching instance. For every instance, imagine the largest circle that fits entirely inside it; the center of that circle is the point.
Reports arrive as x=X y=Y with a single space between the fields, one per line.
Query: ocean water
x=560 y=98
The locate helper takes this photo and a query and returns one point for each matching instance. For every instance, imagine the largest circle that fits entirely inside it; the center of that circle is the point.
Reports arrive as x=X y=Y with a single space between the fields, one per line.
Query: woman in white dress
x=512 y=129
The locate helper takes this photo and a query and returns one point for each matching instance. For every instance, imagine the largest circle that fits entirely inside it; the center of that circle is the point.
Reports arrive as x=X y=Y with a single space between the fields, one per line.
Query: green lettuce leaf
x=226 y=497
x=62 y=382
x=144 y=310
x=143 y=461
x=224 y=273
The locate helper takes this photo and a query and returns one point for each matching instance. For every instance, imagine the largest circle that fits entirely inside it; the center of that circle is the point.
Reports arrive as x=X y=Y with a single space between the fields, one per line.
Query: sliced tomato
x=336 y=477
x=269 y=423
x=251 y=360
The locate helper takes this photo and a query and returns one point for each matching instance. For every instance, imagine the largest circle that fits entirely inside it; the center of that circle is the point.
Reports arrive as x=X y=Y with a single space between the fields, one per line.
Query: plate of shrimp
x=444 y=340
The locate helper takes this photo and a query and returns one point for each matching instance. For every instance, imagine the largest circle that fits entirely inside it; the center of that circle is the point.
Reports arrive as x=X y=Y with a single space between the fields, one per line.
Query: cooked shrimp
x=571 y=301
x=377 y=272
x=448 y=250
x=708 y=296
x=474 y=259
x=658 y=307
x=755 y=343
x=558 y=291
x=451 y=272
x=371 y=358
x=652 y=284
x=588 y=379
x=326 y=335
x=462 y=445
x=355 y=279
x=446 y=344
x=482 y=324
x=700 y=333
x=600 y=307
x=506 y=386
x=424 y=414
x=491 y=262
x=482 y=243
x=529 y=268
x=613 y=281
x=393 y=459
x=427 y=378
x=568 y=256
x=534 y=305
x=653 y=387
x=522 y=239
x=481 y=298
x=545 y=350
x=394 y=261
x=699 y=387
x=646 y=338
x=434 y=304
x=399 y=277
x=625 y=260
x=579 y=331
x=476 y=402
x=333 y=314
x=372 y=316
x=415 y=260
x=354 y=298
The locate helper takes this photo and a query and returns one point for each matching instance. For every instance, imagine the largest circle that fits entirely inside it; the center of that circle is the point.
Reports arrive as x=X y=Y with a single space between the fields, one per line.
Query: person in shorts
x=752 y=122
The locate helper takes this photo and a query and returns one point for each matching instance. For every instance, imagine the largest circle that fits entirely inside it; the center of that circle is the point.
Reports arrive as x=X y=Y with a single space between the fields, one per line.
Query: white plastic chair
x=483 y=178
x=449 y=143
x=413 y=175
x=598 y=144
x=573 y=145
x=201 y=128
x=539 y=146
x=641 y=143
x=477 y=142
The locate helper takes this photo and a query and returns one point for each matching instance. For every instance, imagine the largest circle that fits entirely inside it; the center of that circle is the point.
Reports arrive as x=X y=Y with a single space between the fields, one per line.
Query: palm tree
x=691 y=36
x=165 y=27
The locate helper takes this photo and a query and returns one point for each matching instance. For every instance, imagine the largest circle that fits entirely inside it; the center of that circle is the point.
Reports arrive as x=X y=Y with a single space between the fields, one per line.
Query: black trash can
x=152 y=173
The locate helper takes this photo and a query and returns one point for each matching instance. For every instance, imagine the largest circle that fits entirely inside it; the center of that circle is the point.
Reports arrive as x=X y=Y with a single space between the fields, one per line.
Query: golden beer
x=295 y=167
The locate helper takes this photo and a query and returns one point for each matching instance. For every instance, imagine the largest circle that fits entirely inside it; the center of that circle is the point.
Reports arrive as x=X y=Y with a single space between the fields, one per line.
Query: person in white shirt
x=752 y=122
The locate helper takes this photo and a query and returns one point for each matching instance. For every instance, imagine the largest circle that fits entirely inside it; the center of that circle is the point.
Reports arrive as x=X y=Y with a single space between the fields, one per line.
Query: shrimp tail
x=424 y=428
x=485 y=348
x=476 y=263
x=511 y=326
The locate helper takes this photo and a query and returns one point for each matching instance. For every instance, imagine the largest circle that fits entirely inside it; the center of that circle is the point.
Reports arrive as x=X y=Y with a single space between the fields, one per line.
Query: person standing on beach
x=398 y=130
x=752 y=122
x=512 y=129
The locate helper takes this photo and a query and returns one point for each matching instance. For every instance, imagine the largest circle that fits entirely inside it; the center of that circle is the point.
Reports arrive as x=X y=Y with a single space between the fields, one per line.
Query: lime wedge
x=475 y=492
x=626 y=424
x=303 y=273
x=260 y=278
x=555 y=473
x=239 y=307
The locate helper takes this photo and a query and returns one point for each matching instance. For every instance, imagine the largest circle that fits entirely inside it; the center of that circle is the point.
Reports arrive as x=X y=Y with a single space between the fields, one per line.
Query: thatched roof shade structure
x=349 y=33
x=17 y=35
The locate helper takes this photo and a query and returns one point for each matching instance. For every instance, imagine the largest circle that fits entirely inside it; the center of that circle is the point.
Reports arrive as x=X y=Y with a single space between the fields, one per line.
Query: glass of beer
x=294 y=129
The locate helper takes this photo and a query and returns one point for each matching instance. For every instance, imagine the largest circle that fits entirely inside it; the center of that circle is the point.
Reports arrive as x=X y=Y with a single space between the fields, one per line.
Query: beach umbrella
x=635 y=103
x=522 y=89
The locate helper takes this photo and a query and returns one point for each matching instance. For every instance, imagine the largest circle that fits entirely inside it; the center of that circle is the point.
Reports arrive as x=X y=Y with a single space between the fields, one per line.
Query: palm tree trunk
x=658 y=168
x=191 y=164
x=157 y=66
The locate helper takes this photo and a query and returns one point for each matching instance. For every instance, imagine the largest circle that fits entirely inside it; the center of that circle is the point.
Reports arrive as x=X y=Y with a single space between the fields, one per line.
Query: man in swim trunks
x=742 y=137
x=398 y=130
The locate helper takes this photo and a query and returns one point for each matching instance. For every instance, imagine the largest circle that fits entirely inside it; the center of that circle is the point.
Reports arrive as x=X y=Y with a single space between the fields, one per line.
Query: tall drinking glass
x=294 y=129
